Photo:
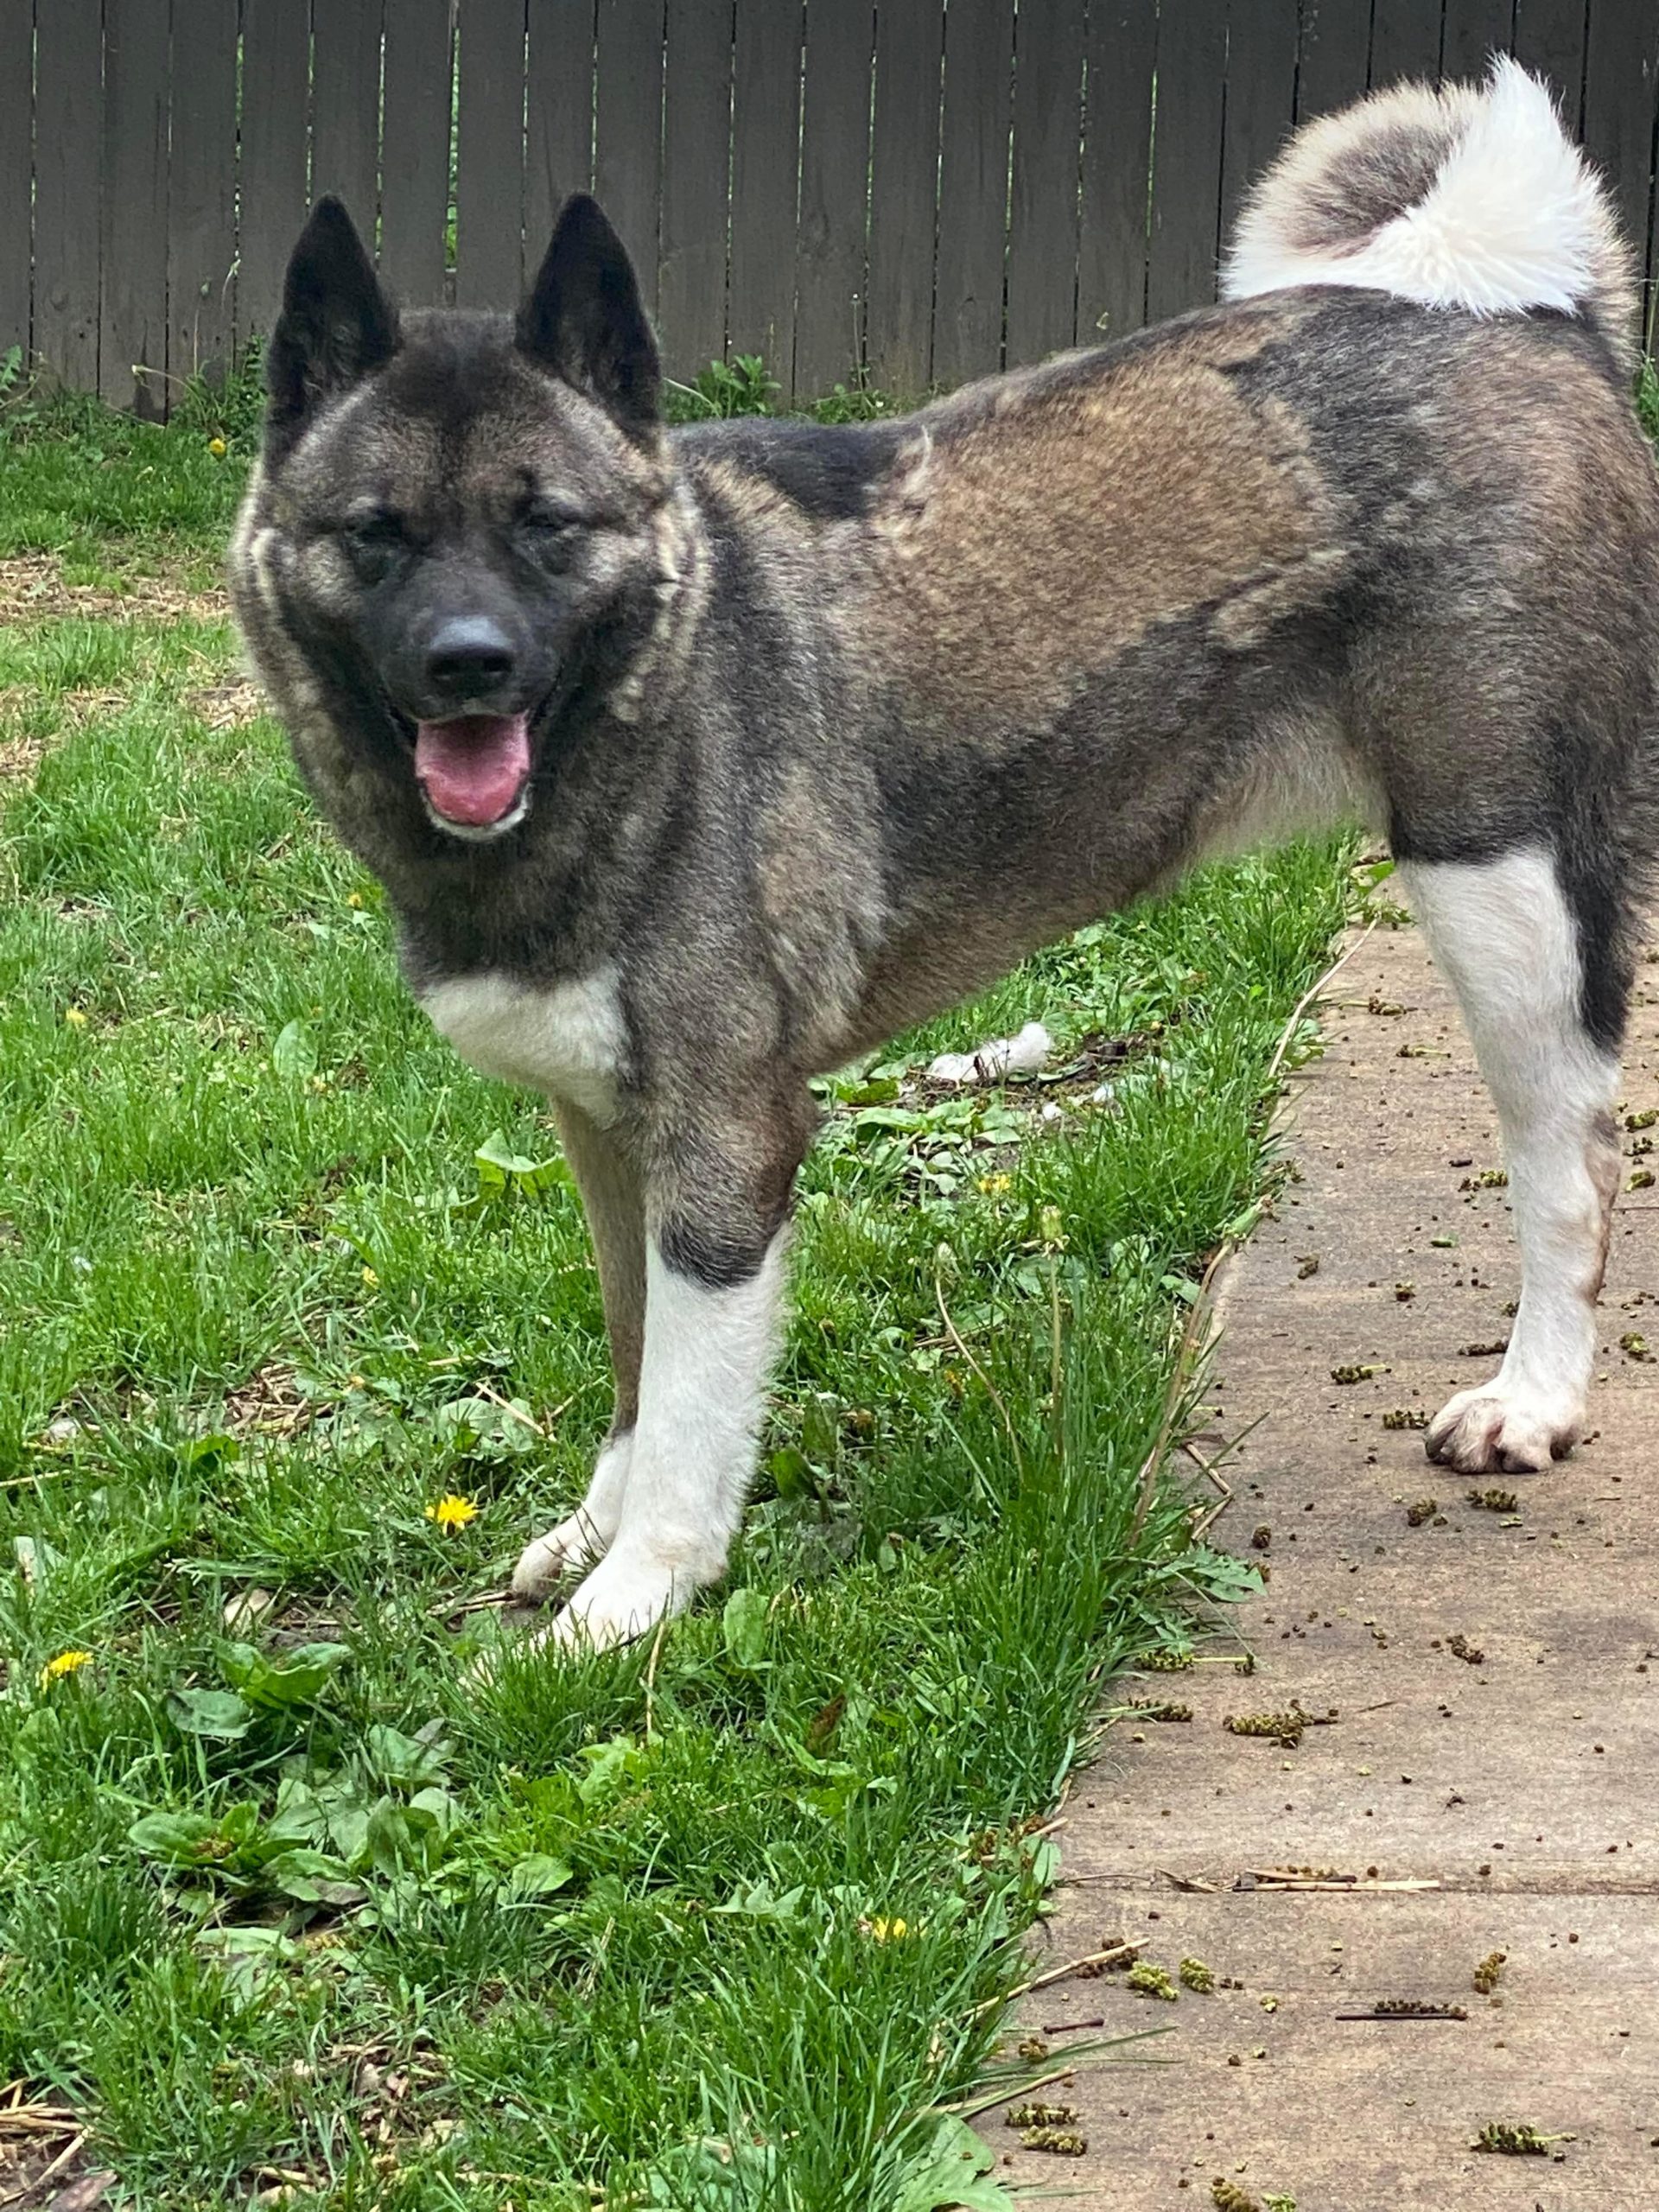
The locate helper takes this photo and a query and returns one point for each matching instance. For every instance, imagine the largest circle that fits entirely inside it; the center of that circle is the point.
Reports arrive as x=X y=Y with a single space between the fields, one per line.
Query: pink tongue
x=473 y=768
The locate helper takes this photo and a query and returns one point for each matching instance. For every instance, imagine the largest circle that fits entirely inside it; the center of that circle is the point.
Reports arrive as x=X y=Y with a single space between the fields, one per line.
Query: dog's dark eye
x=372 y=543
x=548 y=533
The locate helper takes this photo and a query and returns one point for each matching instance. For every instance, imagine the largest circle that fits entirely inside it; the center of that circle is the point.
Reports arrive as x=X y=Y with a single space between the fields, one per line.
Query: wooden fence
x=922 y=190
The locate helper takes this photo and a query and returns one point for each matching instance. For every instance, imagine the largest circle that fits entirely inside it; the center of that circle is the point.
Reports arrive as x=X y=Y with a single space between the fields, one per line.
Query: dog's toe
x=622 y=1600
x=1496 y=1431
x=566 y=1550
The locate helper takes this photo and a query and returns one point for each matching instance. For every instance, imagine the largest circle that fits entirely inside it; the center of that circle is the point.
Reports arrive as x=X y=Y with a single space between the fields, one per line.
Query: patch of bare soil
x=43 y=2167
x=228 y=705
x=32 y=587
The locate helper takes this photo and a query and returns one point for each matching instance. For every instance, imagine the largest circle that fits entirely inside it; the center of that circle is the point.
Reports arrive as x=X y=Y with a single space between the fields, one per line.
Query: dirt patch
x=42 y=2161
x=228 y=705
x=33 y=587
x=20 y=754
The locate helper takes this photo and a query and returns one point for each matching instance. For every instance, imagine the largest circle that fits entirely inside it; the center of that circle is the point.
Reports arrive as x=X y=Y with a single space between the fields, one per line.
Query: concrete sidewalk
x=1518 y=1779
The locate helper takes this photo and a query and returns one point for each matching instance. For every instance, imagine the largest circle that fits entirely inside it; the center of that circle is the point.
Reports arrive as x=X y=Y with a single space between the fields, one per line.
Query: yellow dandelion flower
x=66 y=1662
x=883 y=1930
x=216 y=447
x=353 y=898
x=451 y=1512
x=371 y=1281
x=74 y=1017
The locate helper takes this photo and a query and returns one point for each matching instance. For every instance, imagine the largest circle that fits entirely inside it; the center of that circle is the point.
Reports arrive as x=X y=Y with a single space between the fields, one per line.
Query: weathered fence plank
x=697 y=152
x=558 y=114
x=831 y=234
x=132 y=304
x=1474 y=31
x=1261 y=98
x=1549 y=37
x=489 y=154
x=1043 y=203
x=1621 y=84
x=1406 y=40
x=1334 y=57
x=766 y=168
x=904 y=177
x=1186 y=156
x=1123 y=55
x=972 y=249
x=415 y=151
x=68 y=146
x=201 y=190
x=345 y=107
x=276 y=75
x=16 y=163
x=628 y=130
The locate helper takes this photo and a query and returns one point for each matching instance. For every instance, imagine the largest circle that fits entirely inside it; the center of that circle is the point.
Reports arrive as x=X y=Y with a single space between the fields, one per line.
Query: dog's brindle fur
x=832 y=726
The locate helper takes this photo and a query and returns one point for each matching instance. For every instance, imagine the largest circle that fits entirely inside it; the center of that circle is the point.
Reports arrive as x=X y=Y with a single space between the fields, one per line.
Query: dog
x=697 y=762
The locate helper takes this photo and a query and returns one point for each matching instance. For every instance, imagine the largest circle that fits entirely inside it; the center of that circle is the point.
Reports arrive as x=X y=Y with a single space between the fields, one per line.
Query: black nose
x=470 y=656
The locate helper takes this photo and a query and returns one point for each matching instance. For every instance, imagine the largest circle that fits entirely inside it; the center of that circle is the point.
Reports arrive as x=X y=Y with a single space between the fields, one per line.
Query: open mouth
x=473 y=770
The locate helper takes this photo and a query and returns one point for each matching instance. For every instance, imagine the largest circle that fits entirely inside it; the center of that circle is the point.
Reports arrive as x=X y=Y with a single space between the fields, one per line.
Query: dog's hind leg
x=614 y=1200
x=1542 y=982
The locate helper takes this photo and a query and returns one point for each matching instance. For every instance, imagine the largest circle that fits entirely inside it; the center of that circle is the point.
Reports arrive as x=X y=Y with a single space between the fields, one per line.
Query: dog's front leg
x=716 y=1202
x=614 y=1199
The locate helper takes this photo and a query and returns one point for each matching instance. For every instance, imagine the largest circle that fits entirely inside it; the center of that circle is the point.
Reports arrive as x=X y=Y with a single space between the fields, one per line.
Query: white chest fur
x=567 y=1040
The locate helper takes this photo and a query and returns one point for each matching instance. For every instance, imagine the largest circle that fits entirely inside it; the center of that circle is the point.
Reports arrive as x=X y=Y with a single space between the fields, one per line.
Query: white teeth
x=479 y=833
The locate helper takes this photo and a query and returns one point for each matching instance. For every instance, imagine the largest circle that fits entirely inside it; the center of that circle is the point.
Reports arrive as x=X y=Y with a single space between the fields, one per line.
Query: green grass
x=630 y=1926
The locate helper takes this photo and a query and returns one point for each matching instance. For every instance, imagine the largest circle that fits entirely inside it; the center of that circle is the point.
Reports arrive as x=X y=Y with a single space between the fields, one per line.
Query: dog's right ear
x=336 y=323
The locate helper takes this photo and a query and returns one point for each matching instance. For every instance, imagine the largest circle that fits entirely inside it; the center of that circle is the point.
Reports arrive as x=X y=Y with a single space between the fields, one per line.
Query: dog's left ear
x=336 y=323
x=584 y=320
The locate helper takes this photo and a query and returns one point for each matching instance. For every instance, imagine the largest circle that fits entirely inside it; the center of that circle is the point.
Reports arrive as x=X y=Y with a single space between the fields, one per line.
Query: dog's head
x=458 y=524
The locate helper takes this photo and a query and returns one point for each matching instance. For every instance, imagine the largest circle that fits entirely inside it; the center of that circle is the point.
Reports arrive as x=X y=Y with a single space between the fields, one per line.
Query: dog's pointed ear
x=584 y=320
x=336 y=323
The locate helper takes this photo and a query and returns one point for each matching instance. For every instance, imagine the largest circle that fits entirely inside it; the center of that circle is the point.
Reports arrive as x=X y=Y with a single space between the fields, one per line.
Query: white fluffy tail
x=1471 y=197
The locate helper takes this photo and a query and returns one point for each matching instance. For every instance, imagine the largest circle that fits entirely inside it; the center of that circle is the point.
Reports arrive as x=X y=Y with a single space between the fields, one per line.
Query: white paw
x=572 y=1546
x=622 y=1600
x=1503 y=1428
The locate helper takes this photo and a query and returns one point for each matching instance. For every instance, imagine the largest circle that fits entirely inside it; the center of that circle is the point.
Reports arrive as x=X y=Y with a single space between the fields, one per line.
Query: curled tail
x=1473 y=197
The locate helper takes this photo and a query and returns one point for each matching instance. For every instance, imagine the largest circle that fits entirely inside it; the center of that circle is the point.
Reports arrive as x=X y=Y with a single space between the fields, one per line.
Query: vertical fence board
x=628 y=130
x=1406 y=40
x=68 y=122
x=1549 y=38
x=276 y=97
x=1123 y=56
x=1186 y=156
x=904 y=177
x=830 y=237
x=201 y=189
x=16 y=160
x=489 y=153
x=132 y=303
x=970 y=267
x=1621 y=86
x=1475 y=30
x=558 y=115
x=346 y=108
x=1043 y=201
x=765 y=169
x=1335 y=54
x=1261 y=97
x=415 y=151
x=696 y=153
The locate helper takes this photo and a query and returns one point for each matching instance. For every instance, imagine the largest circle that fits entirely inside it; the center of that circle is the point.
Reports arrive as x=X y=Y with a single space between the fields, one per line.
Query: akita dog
x=695 y=763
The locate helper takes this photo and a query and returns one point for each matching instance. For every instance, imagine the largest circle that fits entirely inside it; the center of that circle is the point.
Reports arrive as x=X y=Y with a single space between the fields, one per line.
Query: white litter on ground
x=997 y=1057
